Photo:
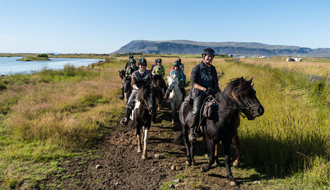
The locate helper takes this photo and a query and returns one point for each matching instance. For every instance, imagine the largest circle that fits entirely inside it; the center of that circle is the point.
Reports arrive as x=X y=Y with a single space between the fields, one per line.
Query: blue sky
x=103 y=26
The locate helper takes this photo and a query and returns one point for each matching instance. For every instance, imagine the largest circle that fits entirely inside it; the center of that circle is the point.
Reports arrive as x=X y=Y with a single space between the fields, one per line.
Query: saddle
x=208 y=108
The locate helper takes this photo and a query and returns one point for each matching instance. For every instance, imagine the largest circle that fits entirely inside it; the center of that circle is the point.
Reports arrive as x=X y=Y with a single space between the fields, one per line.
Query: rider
x=181 y=66
x=139 y=78
x=128 y=63
x=181 y=78
x=204 y=81
x=153 y=66
x=129 y=72
x=159 y=70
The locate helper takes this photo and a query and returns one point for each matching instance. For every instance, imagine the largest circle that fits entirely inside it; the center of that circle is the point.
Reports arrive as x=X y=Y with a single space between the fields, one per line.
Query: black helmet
x=208 y=51
x=159 y=60
x=131 y=57
x=132 y=61
x=179 y=60
x=155 y=61
x=142 y=61
x=176 y=63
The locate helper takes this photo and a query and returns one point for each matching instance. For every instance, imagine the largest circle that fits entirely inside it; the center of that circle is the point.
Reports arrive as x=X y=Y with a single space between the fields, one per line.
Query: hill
x=238 y=48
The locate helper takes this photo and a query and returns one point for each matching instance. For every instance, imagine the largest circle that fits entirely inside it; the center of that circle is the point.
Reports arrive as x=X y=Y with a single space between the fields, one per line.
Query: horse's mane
x=237 y=87
x=157 y=77
x=143 y=92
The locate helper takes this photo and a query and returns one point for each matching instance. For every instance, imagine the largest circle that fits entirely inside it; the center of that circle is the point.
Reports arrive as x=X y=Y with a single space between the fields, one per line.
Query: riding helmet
x=159 y=60
x=132 y=61
x=208 y=51
x=142 y=61
x=131 y=57
x=179 y=60
x=176 y=63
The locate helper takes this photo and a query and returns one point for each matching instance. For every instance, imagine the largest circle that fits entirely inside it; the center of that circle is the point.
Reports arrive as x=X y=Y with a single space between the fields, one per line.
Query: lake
x=10 y=65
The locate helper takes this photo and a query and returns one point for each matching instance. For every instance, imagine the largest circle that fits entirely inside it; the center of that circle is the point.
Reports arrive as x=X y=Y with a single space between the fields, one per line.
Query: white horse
x=175 y=96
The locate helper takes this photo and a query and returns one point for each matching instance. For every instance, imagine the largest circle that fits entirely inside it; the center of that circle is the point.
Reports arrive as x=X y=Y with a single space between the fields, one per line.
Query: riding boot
x=183 y=91
x=122 y=94
x=125 y=120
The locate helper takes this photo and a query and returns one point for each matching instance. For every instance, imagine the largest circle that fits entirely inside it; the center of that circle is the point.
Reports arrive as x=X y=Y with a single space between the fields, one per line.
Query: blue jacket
x=179 y=75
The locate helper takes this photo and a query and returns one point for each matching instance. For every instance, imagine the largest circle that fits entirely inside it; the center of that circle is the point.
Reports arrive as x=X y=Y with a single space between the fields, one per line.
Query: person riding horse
x=181 y=65
x=129 y=63
x=159 y=70
x=129 y=71
x=204 y=81
x=181 y=78
x=139 y=78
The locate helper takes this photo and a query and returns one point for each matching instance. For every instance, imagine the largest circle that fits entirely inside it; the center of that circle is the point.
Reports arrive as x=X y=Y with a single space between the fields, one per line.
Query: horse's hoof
x=173 y=122
x=206 y=155
x=143 y=158
x=193 y=163
x=235 y=164
x=139 y=150
x=188 y=163
x=232 y=183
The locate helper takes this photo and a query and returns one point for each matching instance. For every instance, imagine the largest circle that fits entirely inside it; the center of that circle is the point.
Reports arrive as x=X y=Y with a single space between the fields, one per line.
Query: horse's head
x=122 y=74
x=146 y=96
x=171 y=81
x=242 y=92
x=127 y=84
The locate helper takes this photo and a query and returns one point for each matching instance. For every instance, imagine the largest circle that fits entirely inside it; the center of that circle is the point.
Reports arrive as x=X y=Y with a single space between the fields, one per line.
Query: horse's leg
x=193 y=162
x=211 y=149
x=138 y=137
x=186 y=143
x=205 y=147
x=216 y=156
x=238 y=151
x=226 y=146
x=145 y=141
x=173 y=111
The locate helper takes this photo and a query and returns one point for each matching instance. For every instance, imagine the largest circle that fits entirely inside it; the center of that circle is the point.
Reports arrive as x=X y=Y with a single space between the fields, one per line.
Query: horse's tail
x=178 y=139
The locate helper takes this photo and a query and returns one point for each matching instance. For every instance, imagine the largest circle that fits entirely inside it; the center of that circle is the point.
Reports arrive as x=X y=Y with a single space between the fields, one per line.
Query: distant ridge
x=238 y=48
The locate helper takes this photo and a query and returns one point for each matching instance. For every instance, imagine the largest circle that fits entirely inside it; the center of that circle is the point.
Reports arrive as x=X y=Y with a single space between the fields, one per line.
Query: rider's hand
x=210 y=91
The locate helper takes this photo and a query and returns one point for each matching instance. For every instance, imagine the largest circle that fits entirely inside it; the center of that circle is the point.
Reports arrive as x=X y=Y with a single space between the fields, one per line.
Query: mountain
x=238 y=48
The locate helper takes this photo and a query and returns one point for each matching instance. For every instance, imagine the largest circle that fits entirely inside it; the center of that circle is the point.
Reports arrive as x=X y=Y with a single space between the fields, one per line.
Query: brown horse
x=142 y=114
x=160 y=86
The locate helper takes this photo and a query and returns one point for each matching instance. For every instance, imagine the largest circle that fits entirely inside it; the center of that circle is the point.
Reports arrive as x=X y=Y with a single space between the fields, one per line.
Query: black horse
x=159 y=83
x=143 y=111
x=122 y=74
x=238 y=96
x=126 y=83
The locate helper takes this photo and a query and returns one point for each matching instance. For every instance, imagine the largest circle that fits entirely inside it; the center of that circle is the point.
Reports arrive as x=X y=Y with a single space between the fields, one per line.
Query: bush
x=42 y=55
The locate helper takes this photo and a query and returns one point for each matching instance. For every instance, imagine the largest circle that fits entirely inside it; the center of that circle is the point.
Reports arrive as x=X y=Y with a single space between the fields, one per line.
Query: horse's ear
x=250 y=81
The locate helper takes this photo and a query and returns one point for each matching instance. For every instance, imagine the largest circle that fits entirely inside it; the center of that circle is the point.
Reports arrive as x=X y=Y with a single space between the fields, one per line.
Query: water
x=10 y=65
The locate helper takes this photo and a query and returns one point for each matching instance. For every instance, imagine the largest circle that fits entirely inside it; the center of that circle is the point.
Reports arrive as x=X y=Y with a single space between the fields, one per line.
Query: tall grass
x=292 y=137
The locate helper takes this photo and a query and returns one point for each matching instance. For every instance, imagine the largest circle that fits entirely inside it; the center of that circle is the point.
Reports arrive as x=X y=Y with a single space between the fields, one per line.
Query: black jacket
x=195 y=77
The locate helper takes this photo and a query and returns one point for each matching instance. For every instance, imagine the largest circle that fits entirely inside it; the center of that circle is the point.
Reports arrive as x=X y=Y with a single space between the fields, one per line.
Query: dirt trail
x=115 y=164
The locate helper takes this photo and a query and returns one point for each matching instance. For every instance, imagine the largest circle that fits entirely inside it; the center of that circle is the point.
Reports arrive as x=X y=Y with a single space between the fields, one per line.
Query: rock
x=152 y=170
x=98 y=166
x=170 y=185
x=178 y=168
x=256 y=182
x=159 y=156
x=176 y=180
x=172 y=167
x=179 y=185
x=116 y=183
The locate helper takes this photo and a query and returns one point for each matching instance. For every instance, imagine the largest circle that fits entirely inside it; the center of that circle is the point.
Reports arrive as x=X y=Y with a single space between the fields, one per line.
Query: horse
x=238 y=96
x=126 y=83
x=175 y=96
x=122 y=74
x=160 y=86
x=142 y=114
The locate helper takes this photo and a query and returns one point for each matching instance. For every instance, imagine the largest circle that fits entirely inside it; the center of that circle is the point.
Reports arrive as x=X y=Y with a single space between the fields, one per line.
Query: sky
x=104 y=26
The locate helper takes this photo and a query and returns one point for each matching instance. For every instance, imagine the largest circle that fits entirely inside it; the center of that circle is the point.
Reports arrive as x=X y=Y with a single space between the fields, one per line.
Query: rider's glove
x=210 y=91
x=135 y=87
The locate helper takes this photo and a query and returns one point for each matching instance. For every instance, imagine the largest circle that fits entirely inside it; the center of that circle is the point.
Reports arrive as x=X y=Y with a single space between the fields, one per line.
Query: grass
x=50 y=115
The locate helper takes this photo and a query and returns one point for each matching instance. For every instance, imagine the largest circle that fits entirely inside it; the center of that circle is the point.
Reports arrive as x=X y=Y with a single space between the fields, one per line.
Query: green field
x=56 y=114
